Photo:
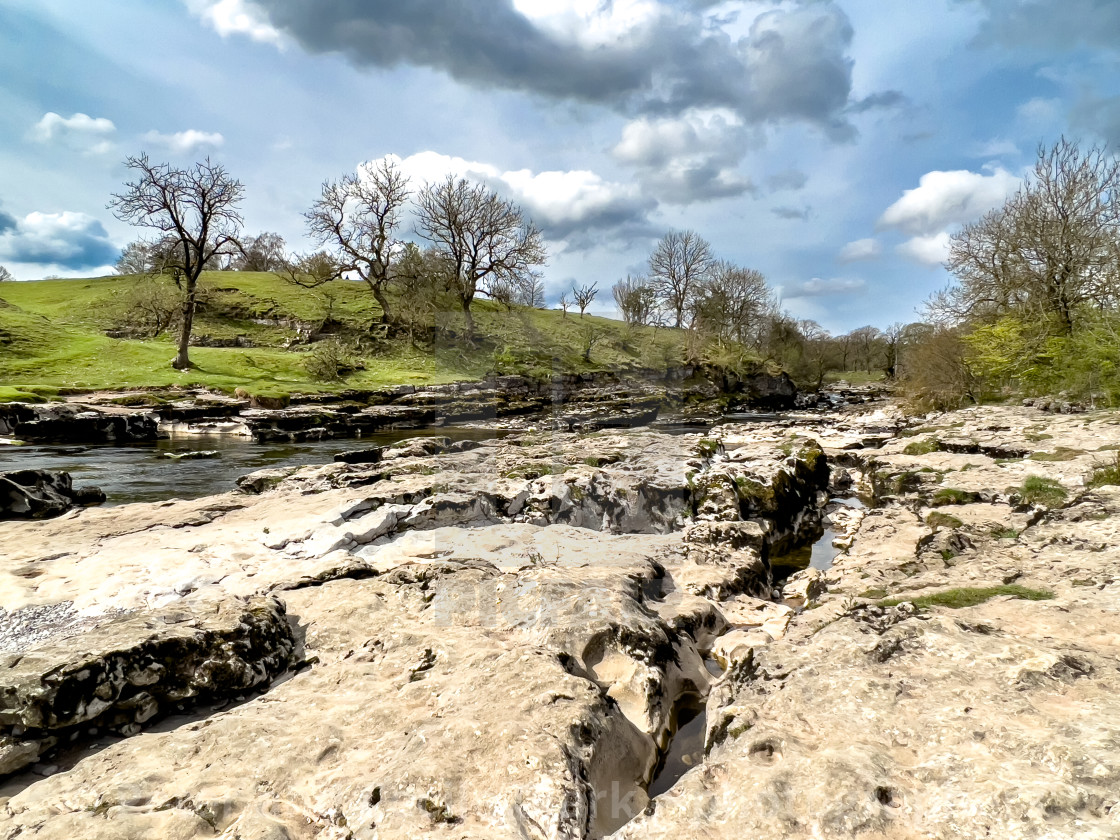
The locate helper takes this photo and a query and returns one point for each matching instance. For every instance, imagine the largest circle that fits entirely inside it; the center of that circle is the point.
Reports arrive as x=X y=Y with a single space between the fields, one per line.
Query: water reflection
x=141 y=473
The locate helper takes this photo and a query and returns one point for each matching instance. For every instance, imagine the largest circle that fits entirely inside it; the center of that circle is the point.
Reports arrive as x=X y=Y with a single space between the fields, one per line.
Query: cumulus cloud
x=818 y=287
x=237 y=17
x=943 y=199
x=80 y=132
x=861 y=249
x=570 y=205
x=70 y=240
x=941 y=202
x=185 y=142
x=928 y=250
x=652 y=56
x=693 y=157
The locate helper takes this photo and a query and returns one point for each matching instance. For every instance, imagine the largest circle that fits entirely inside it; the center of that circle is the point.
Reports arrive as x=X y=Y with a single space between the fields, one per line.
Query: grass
x=921 y=447
x=952 y=496
x=1107 y=474
x=53 y=338
x=854 y=377
x=943 y=520
x=1004 y=534
x=956 y=599
x=1037 y=490
x=1062 y=453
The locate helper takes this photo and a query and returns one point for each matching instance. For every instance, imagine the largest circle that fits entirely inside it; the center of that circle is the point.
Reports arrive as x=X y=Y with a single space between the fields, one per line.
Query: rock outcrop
x=41 y=494
x=503 y=641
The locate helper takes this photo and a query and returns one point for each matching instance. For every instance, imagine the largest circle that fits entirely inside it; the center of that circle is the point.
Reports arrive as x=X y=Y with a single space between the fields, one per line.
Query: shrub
x=329 y=361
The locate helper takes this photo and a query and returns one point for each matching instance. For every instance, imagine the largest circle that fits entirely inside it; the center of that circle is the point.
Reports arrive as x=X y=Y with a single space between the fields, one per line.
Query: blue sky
x=834 y=146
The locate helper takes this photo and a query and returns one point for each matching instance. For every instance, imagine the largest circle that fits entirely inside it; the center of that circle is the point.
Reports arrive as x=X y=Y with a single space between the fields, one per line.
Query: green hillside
x=55 y=334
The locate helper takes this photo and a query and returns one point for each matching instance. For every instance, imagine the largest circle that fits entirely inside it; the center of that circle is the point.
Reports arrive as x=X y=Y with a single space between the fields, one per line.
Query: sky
x=834 y=145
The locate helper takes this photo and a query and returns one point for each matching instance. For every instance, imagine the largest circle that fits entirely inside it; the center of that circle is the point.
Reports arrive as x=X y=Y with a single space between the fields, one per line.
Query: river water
x=138 y=473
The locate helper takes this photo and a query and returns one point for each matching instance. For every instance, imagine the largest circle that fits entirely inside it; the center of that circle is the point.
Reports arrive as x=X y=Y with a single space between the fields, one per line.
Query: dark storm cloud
x=1098 y=116
x=72 y=240
x=791 y=66
x=791 y=213
x=1051 y=23
x=6 y=222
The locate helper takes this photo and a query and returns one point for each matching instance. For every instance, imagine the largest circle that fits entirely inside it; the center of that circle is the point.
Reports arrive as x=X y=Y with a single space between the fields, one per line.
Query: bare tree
x=357 y=218
x=584 y=295
x=530 y=292
x=1050 y=250
x=731 y=301
x=196 y=208
x=636 y=300
x=564 y=303
x=485 y=238
x=865 y=342
x=892 y=338
x=5 y=275
x=263 y=252
x=677 y=265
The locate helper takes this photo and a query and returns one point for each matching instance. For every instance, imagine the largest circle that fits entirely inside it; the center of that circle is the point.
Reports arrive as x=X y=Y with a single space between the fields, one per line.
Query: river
x=141 y=473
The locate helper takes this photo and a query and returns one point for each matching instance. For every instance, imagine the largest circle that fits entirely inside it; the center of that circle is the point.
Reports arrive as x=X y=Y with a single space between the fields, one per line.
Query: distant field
x=53 y=336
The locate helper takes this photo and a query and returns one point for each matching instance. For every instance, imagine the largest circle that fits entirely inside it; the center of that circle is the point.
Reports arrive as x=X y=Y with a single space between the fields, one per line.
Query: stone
x=40 y=494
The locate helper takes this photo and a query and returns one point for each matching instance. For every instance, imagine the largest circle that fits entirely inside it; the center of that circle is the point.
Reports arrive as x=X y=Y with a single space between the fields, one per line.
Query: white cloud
x=928 y=250
x=995 y=148
x=561 y=202
x=861 y=249
x=81 y=132
x=943 y=199
x=693 y=157
x=818 y=287
x=1040 y=112
x=237 y=17
x=185 y=142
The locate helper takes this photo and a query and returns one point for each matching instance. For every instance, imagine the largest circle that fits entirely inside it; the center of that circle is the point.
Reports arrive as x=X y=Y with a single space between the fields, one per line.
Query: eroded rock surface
x=496 y=641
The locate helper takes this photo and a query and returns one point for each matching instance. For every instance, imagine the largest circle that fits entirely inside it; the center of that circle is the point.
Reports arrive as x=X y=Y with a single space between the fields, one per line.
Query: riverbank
x=502 y=640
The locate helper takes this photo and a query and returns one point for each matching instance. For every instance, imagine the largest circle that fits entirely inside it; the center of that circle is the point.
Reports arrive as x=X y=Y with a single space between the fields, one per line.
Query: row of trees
x=478 y=242
x=1035 y=305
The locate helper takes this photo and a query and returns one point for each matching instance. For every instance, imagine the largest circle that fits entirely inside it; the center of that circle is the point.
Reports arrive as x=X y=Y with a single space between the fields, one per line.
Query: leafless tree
x=892 y=338
x=677 y=266
x=584 y=295
x=530 y=292
x=636 y=300
x=357 y=219
x=865 y=343
x=564 y=303
x=196 y=207
x=485 y=238
x=731 y=301
x=5 y=275
x=263 y=252
x=1053 y=247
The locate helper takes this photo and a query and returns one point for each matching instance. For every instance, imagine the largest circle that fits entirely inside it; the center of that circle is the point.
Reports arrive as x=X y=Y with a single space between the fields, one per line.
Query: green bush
x=952 y=496
x=1108 y=474
x=922 y=447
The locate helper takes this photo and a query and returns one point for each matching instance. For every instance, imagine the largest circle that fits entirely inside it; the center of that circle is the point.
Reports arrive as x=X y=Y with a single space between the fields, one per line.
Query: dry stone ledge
x=122 y=673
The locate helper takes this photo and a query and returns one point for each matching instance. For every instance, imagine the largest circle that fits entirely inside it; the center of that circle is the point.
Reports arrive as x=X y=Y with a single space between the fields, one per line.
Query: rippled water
x=137 y=473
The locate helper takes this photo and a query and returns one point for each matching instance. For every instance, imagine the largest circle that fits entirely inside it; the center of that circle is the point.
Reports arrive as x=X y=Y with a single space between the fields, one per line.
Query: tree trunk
x=383 y=302
x=182 y=360
x=467 y=317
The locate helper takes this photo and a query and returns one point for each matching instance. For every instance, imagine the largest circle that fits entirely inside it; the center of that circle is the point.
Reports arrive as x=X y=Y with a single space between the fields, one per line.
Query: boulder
x=41 y=494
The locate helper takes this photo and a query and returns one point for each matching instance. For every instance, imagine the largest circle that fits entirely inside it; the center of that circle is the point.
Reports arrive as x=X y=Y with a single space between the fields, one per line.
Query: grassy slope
x=52 y=336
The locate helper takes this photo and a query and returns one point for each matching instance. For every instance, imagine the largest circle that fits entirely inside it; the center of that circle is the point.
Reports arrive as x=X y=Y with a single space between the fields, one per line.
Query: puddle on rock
x=686 y=745
x=820 y=554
